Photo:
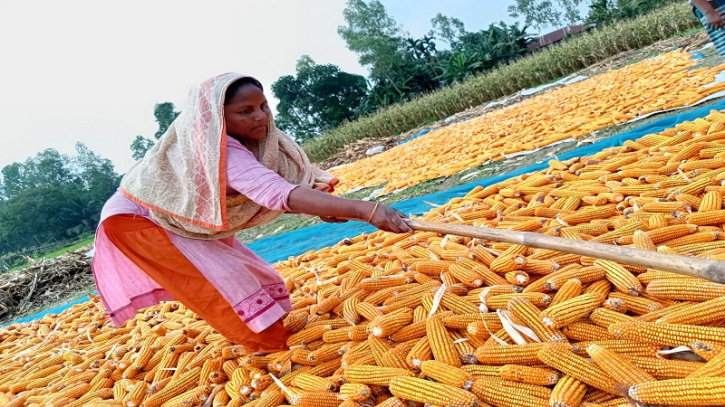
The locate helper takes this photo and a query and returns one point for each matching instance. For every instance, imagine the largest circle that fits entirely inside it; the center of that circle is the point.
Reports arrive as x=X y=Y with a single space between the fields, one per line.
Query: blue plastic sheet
x=315 y=237
x=56 y=310
x=414 y=136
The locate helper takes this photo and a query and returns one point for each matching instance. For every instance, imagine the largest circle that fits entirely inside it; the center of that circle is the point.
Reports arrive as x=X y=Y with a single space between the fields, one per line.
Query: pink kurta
x=249 y=284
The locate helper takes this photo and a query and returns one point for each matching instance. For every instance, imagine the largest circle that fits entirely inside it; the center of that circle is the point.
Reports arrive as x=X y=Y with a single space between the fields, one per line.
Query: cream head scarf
x=182 y=179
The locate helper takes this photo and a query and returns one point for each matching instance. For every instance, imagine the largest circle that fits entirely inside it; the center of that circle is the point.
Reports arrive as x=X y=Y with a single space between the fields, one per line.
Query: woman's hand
x=332 y=219
x=713 y=19
x=390 y=220
x=332 y=208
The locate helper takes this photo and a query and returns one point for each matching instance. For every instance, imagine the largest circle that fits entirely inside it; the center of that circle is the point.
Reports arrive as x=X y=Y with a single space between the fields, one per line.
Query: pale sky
x=91 y=71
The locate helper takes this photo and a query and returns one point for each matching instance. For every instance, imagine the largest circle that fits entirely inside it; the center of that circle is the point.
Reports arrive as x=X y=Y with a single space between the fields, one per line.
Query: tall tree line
x=400 y=67
x=53 y=197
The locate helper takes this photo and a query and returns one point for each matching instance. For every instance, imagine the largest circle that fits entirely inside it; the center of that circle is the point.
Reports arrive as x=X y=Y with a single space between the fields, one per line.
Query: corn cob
x=525 y=354
x=496 y=394
x=568 y=392
x=681 y=392
x=529 y=374
x=560 y=357
x=696 y=314
x=374 y=375
x=443 y=373
x=663 y=369
x=571 y=289
x=414 y=389
x=685 y=289
x=667 y=334
x=622 y=279
x=623 y=371
x=354 y=391
x=571 y=310
x=441 y=343
x=529 y=315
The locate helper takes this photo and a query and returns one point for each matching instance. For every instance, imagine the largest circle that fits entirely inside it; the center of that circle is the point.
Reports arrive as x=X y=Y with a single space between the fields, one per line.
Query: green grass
x=58 y=252
x=542 y=67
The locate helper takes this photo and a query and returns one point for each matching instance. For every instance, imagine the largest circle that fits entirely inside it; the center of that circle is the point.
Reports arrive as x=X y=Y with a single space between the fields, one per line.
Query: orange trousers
x=148 y=246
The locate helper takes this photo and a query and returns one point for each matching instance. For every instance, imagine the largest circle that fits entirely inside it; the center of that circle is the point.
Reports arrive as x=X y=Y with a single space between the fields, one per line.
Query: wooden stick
x=712 y=270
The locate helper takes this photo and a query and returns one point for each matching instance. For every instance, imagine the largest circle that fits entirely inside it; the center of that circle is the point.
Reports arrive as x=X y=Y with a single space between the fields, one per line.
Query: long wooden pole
x=712 y=270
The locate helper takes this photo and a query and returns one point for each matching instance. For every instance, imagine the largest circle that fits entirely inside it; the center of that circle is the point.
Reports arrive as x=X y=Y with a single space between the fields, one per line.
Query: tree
x=46 y=168
x=604 y=12
x=319 y=97
x=543 y=13
x=396 y=74
x=53 y=196
x=97 y=175
x=475 y=52
x=165 y=114
x=33 y=217
x=372 y=34
x=140 y=146
x=448 y=29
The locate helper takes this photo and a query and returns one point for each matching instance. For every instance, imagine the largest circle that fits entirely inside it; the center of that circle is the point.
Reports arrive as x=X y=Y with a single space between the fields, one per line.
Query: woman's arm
x=712 y=17
x=312 y=202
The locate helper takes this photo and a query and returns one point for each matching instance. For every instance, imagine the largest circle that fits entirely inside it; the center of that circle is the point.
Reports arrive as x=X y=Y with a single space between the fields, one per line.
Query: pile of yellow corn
x=421 y=319
x=659 y=83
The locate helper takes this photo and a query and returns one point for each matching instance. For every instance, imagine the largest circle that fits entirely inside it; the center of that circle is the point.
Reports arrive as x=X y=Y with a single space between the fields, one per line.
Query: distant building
x=557 y=36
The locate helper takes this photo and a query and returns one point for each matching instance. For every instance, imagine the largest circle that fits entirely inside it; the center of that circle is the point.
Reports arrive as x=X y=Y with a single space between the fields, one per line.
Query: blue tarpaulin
x=414 y=136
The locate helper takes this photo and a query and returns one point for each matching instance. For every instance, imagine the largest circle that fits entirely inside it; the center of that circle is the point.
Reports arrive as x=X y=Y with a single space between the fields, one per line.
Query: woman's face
x=247 y=114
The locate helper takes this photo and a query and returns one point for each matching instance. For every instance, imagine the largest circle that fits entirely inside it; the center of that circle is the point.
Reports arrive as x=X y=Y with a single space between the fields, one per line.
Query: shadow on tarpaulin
x=316 y=237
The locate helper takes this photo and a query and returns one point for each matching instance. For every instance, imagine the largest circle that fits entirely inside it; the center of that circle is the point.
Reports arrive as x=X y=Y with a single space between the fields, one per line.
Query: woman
x=222 y=166
x=710 y=14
